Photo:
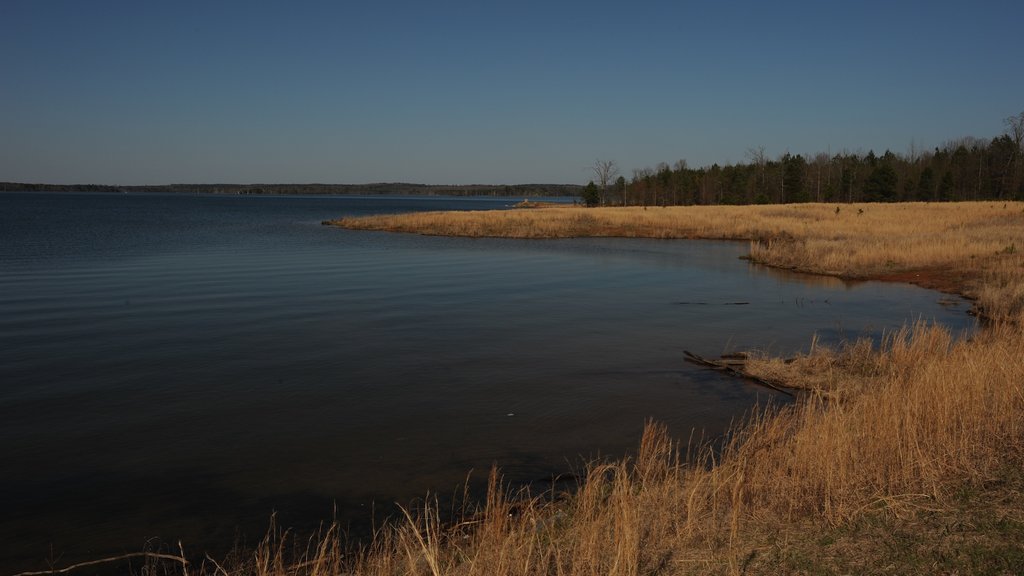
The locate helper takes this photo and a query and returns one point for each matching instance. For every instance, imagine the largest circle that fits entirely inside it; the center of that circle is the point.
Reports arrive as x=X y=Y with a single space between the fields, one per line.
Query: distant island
x=381 y=188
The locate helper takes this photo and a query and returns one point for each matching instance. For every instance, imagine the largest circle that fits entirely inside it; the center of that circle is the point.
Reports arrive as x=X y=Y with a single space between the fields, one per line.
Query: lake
x=180 y=367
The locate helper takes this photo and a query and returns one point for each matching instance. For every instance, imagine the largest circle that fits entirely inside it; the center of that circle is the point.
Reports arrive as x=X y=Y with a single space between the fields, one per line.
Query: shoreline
x=907 y=456
x=920 y=443
x=822 y=239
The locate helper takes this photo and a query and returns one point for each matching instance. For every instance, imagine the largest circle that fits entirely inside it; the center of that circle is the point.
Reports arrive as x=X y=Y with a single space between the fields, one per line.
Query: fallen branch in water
x=734 y=365
x=157 y=555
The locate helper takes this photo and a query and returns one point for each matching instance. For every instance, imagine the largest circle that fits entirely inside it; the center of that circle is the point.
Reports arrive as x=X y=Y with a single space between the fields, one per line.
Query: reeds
x=895 y=431
x=981 y=243
x=868 y=237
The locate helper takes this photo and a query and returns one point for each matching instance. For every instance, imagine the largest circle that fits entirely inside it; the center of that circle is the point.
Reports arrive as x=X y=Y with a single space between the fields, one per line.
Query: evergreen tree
x=591 y=195
x=881 y=184
x=794 y=172
x=946 y=187
x=846 y=184
x=620 y=189
x=926 y=185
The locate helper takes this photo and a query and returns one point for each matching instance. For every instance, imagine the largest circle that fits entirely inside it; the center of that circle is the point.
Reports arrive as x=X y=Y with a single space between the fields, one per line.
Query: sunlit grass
x=982 y=243
x=880 y=436
x=883 y=440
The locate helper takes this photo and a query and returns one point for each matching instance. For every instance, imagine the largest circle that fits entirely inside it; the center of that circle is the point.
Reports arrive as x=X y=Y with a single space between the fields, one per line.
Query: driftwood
x=734 y=365
x=152 y=555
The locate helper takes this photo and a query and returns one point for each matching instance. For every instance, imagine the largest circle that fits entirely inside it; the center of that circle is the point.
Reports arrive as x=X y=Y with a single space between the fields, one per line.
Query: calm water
x=181 y=366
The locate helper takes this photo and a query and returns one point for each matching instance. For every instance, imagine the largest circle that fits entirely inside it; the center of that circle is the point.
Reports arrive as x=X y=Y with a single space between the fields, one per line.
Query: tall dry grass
x=980 y=242
x=859 y=239
x=898 y=429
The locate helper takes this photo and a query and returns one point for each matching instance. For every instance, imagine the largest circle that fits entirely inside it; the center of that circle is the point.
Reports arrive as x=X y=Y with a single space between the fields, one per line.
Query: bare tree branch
x=605 y=171
x=1015 y=129
x=157 y=555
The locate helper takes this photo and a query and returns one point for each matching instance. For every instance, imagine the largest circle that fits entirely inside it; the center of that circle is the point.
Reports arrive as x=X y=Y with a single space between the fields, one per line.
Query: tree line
x=961 y=169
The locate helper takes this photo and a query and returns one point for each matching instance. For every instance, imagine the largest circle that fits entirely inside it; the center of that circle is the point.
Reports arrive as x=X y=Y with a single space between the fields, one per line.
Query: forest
x=965 y=168
x=960 y=169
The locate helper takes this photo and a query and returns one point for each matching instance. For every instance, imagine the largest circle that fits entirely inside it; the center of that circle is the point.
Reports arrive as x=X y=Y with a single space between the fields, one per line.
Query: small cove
x=182 y=366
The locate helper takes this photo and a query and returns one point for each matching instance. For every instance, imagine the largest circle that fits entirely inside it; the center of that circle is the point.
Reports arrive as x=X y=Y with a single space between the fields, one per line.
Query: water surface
x=181 y=366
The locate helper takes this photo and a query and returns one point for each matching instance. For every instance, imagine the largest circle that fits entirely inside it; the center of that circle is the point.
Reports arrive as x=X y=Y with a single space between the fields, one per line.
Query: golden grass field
x=903 y=459
x=975 y=247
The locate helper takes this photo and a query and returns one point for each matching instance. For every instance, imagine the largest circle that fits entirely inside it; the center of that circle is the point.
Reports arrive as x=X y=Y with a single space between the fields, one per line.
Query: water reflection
x=183 y=366
x=816 y=280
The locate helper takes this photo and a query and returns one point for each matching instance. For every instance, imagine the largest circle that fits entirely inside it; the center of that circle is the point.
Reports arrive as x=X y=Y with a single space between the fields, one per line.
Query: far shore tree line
x=965 y=168
x=383 y=188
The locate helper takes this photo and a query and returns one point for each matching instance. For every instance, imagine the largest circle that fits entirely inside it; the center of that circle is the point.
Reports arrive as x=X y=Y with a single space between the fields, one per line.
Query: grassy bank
x=905 y=458
x=973 y=248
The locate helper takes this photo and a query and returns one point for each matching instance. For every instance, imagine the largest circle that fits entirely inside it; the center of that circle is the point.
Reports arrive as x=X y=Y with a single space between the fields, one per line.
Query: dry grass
x=977 y=246
x=886 y=442
x=903 y=458
x=893 y=437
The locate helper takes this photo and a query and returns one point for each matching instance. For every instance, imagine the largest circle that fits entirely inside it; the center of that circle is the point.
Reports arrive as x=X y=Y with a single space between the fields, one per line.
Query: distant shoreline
x=380 y=188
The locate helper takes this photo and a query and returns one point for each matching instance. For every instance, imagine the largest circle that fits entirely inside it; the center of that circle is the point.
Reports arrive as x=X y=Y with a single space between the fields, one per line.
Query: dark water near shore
x=182 y=366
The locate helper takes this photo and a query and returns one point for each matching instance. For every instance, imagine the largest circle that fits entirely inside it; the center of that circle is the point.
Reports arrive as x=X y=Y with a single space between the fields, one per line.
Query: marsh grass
x=909 y=454
x=888 y=444
x=977 y=247
x=901 y=458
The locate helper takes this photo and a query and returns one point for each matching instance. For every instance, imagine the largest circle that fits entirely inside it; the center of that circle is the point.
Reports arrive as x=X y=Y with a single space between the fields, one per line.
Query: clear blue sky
x=139 y=92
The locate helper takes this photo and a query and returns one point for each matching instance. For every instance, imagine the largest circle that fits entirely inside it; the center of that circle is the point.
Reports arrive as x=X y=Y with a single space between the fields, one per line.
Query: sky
x=438 y=92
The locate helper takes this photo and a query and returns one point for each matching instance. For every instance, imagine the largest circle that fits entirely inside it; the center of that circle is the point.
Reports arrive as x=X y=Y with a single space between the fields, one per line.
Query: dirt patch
x=943 y=279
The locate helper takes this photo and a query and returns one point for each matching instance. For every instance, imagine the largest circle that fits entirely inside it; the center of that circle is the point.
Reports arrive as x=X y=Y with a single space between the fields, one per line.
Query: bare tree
x=758 y=157
x=913 y=151
x=605 y=171
x=1015 y=129
x=968 y=143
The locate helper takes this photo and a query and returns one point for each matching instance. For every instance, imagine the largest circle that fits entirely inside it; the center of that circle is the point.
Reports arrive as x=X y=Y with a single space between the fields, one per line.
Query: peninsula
x=906 y=456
